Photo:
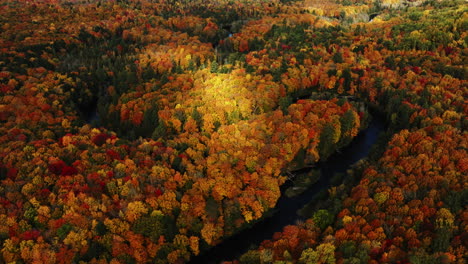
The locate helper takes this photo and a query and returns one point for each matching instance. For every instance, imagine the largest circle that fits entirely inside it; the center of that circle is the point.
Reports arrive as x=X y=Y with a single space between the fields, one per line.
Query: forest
x=150 y=131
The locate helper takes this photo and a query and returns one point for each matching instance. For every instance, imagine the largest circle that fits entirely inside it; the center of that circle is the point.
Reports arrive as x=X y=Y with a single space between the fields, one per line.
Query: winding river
x=285 y=212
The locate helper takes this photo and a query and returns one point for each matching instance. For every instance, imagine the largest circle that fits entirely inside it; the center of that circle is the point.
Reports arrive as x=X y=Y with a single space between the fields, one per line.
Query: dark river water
x=285 y=212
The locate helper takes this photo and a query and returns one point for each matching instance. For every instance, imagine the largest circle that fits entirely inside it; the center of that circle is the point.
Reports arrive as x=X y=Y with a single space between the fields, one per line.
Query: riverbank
x=285 y=212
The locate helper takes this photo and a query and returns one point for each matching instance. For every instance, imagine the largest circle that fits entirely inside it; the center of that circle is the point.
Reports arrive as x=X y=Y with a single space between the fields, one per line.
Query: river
x=285 y=212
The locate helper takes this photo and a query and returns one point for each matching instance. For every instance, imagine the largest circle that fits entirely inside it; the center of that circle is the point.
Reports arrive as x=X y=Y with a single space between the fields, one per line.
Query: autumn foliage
x=408 y=205
x=149 y=131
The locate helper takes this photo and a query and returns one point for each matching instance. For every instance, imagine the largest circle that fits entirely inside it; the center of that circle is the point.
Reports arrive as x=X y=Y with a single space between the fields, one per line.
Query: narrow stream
x=285 y=212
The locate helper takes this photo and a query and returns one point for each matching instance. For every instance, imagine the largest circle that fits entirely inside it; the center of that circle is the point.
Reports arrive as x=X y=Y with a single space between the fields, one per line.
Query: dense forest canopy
x=150 y=131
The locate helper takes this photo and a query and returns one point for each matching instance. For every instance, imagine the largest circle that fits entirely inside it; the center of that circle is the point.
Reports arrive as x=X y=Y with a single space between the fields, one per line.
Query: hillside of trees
x=150 y=131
